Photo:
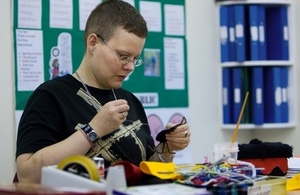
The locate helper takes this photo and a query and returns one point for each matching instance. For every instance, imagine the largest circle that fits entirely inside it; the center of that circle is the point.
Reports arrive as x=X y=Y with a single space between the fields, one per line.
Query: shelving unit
x=248 y=63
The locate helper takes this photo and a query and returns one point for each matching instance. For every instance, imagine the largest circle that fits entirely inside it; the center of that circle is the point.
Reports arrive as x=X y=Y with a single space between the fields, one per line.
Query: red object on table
x=269 y=164
x=133 y=173
x=36 y=189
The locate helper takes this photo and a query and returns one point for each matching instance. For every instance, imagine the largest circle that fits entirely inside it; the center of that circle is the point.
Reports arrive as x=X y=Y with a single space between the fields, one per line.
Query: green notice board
x=50 y=31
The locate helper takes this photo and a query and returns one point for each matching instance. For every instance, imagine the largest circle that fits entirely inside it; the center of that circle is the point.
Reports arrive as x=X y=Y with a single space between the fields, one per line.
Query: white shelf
x=259 y=63
x=274 y=2
x=264 y=126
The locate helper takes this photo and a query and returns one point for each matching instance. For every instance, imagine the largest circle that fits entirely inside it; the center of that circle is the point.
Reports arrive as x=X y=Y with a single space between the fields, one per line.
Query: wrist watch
x=90 y=132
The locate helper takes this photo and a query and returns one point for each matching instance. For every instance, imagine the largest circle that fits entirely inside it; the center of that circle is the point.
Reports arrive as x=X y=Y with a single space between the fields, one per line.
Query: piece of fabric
x=293 y=183
x=58 y=105
x=258 y=149
x=135 y=176
x=133 y=173
x=159 y=169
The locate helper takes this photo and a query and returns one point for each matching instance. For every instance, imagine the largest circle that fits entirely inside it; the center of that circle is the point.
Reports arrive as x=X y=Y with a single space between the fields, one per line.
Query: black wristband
x=90 y=132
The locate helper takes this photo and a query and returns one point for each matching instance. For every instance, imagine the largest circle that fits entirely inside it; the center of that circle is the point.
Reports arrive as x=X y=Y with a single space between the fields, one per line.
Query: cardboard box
x=161 y=189
x=272 y=186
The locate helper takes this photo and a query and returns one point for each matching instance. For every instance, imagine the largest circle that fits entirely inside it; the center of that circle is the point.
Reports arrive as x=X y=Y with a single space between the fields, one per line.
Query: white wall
x=204 y=87
x=204 y=79
x=7 y=129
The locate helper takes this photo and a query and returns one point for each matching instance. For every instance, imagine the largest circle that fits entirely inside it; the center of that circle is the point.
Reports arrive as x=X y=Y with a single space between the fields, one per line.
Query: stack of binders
x=254 y=32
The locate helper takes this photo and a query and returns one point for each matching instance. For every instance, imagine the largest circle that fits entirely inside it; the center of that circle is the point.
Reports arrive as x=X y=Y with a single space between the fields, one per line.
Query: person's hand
x=179 y=138
x=110 y=116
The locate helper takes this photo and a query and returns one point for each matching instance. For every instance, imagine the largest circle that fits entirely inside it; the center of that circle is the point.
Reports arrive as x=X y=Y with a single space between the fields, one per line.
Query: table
x=36 y=189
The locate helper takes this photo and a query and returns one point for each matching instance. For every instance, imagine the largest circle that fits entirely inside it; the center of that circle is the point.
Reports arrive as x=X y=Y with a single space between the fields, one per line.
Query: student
x=88 y=113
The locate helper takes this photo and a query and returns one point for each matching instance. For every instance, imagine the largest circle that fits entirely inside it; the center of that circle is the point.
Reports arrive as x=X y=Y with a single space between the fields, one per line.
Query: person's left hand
x=179 y=138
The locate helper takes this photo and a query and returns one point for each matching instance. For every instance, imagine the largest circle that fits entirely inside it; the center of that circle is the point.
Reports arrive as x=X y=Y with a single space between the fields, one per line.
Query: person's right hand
x=110 y=116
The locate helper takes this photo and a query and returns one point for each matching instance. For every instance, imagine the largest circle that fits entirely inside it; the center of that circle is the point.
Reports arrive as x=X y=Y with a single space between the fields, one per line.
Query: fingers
x=122 y=110
x=110 y=116
x=180 y=132
x=121 y=107
x=117 y=109
x=179 y=138
x=178 y=144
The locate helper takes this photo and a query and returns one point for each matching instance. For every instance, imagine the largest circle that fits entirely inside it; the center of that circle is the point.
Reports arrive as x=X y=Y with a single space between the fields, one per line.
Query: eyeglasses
x=137 y=61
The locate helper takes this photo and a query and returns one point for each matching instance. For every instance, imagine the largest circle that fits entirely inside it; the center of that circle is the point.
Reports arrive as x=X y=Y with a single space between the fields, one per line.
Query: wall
x=204 y=79
x=7 y=130
x=204 y=87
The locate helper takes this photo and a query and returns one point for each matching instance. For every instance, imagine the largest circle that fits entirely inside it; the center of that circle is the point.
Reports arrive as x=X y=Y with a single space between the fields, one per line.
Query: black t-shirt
x=57 y=106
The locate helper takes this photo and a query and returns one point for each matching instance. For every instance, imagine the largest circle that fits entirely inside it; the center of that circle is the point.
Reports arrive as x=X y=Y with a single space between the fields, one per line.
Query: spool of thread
x=80 y=165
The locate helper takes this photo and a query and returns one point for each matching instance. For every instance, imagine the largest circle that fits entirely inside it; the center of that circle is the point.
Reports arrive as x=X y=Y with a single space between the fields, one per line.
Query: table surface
x=36 y=189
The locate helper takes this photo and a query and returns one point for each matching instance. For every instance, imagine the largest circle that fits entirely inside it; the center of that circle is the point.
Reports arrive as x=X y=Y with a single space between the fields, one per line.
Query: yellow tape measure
x=80 y=165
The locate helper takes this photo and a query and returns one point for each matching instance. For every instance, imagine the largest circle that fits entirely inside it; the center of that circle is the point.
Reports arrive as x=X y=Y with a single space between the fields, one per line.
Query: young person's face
x=108 y=69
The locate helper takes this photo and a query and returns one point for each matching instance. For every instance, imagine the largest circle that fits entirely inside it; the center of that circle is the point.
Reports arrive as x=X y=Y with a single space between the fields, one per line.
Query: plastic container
x=101 y=167
x=227 y=149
